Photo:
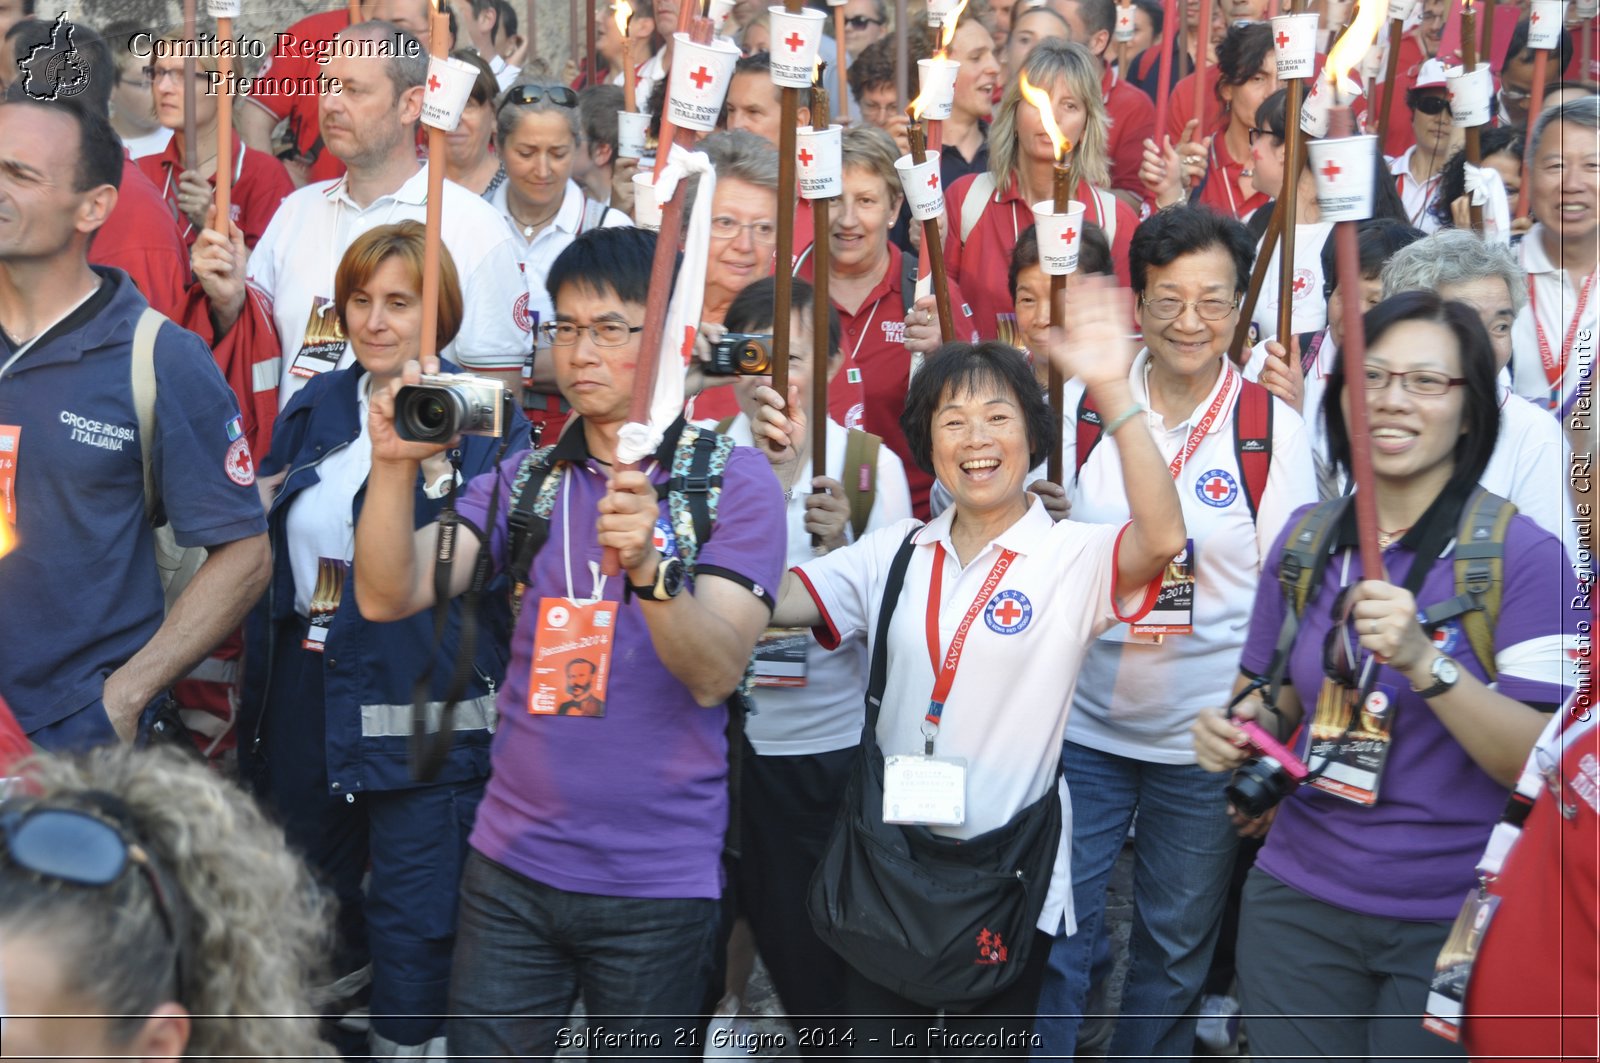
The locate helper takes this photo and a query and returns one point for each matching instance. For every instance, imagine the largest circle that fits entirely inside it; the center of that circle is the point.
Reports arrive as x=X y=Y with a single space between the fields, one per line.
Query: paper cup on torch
x=1586 y=9
x=924 y=191
x=224 y=8
x=445 y=93
x=633 y=134
x=937 y=10
x=795 y=40
x=1400 y=10
x=1471 y=95
x=1125 y=27
x=1344 y=168
x=1544 y=23
x=819 y=156
x=1294 y=45
x=646 y=210
x=700 y=75
x=718 y=13
x=1314 y=111
x=936 y=79
x=1060 y=237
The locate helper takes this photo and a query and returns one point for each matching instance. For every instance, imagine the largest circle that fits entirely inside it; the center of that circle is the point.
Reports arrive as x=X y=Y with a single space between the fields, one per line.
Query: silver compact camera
x=442 y=406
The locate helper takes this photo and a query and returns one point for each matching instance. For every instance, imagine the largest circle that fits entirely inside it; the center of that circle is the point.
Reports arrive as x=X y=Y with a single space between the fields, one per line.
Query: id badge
x=1173 y=613
x=10 y=445
x=325 y=601
x=931 y=791
x=780 y=657
x=571 y=657
x=1453 y=969
x=323 y=344
x=1356 y=773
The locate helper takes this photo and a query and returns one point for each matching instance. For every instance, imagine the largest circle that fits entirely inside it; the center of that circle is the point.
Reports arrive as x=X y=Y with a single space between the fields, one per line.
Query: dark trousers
x=412 y=840
x=524 y=952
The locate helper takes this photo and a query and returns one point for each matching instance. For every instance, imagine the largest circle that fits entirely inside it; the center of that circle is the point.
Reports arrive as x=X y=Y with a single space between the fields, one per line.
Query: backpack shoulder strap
x=908 y=281
x=1479 y=575
x=1088 y=430
x=142 y=371
x=1305 y=552
x=1252 y=441
x=860 y=478
x=528 y=527
x=978 y=195
x=695 y=488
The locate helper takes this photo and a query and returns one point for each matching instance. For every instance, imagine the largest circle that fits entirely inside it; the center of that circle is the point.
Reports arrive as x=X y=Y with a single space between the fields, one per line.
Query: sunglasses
x=79 y=848
x=861 y=22
x=522 y=95
x=1433 y=105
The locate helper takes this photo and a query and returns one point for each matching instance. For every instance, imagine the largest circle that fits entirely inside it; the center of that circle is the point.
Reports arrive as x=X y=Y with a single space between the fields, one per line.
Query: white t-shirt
x=296 y=258
x=321 y=521
x=1007 y=709
x=1137 y=698
x=148 y=144
x=1530 y=466
x=539 y=254
x=826 y=713
x=1310 y=308
x=1416 y=196
x=1555 y=296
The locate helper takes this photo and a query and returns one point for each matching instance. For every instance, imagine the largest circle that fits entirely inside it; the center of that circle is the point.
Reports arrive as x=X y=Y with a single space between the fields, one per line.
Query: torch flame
x=947 y=30
x=1047 y=115
x=622 y=11
x=8 y=536
x=1354 y=44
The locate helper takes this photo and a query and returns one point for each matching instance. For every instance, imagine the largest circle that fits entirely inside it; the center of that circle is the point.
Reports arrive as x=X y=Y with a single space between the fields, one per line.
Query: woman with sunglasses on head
x=1368 y=860
x=470 y=159
x=148 y=910
x=328 y=694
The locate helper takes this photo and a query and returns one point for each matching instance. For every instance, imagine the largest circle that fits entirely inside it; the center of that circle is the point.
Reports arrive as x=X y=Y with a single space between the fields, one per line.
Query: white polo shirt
x=1530 y=467
x=1136 y=698
x=1007 y=709
x=539 y=254
x=1310 y=308
x=1417 y=197
x=826 y=713
x=295 y=260
x=1553 y=294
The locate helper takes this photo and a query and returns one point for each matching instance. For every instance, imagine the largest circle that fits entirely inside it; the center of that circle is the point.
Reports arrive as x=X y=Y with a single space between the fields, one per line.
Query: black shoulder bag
x=945 y=922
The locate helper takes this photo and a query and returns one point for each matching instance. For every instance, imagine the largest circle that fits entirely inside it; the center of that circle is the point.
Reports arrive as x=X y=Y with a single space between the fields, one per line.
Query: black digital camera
x=741 y=354
x=442 y=406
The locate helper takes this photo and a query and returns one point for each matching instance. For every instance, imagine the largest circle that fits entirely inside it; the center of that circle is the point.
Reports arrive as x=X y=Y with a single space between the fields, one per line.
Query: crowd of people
x=351 y=736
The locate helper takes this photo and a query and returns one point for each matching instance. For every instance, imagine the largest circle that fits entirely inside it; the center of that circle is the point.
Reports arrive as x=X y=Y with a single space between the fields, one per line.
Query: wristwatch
x=1445 y=672
x=669 y=581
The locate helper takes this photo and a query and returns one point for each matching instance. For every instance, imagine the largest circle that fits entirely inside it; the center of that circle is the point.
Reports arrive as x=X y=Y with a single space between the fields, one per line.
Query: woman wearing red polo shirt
x=1022 y=171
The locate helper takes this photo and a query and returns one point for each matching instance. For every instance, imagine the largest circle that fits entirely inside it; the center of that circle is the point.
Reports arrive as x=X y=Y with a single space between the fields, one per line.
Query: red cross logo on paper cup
x=1544 y=24
x=444 y=96
x=938 y=10
x=1314 y=112
x=1471 y=95
x=820 y=174
x=1060 y=237
x=936 y=79
x=1344 y=170
x=795 y=39
x=1294 y=44
x=924 y=194
x=699 y=81
x=718 y=13
x=224 y=8
x=1125 y=24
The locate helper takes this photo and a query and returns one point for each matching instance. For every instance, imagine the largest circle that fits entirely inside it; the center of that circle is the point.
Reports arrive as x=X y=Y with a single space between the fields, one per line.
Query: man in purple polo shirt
x=595 y=863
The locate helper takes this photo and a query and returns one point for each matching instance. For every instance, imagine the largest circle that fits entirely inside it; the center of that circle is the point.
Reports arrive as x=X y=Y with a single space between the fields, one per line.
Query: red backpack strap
x=1252 y=441
x=1089 y=427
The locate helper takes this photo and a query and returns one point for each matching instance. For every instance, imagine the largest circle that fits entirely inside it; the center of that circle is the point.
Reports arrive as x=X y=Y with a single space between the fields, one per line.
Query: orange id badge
x=571 y=657
x=10 y=444
x=323 y=344
x=1173 y=612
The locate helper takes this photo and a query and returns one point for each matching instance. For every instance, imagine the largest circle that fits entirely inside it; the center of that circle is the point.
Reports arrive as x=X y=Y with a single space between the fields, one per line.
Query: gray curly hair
x=253 y=932
x=1454 y=256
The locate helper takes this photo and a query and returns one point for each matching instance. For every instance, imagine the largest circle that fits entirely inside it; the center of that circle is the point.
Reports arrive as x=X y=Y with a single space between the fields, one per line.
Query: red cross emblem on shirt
x=806 y=157
x=1216 y=487
x=794 y=41
x=1070 y=235
x=1535 y=17
x=1281 y=40
x=1331 y=170
x=1299 y=284
x=933 y=180
x=433 y=83
x=1123 y=21
x=1008 y=612
x=701 y=78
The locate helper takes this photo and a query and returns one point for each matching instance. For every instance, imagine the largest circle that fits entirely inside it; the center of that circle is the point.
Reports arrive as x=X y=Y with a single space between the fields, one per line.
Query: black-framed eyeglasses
x=604 y=333
x=522 y=95
x=1256 y=133
x=1429 y=382
x=1433 y=106
x=861 y=22
x=77 y=847
x=1172 y=309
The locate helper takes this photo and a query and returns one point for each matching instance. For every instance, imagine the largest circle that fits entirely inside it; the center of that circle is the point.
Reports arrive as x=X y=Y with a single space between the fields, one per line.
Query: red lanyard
x=1199 y=431
x=946 y=672
x=1555 y=365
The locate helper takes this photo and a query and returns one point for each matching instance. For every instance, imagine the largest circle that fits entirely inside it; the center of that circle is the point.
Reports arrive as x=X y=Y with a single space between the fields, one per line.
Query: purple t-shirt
x=1412 y=855
x=634 y=803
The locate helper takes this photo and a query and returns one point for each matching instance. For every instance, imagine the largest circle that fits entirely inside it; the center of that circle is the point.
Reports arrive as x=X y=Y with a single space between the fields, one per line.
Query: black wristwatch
x=1446 y=674
x=669 y=581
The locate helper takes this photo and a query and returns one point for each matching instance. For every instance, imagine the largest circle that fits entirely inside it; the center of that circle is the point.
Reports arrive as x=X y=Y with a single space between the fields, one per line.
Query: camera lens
x=428 y=414
x=1258 y=786
x=754 y=359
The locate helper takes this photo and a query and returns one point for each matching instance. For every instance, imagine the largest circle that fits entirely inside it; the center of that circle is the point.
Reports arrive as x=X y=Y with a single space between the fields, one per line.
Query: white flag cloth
x=635 y=442
x=1487 y=189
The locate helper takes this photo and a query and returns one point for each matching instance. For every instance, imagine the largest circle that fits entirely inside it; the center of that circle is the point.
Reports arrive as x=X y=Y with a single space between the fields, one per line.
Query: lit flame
x=947 y=30
x=1047 y=115
x=1354 y=44
x=8 y=536
x=622 y=11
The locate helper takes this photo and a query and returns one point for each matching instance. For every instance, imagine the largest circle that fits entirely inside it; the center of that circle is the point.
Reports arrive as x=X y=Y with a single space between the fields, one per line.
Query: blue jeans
x=1183 y=857
x=524 y=951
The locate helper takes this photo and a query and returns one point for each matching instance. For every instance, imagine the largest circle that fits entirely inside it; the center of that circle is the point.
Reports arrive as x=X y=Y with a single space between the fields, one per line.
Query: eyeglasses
x=605 y=333
x=152 y=76
x=1417 y=381
x=726 y=228
x=77 y=847
x=1435 y=105
x=1514 y=95
x=523 y=95
x=861 y=22
x=1257 y=134
x=1172 y=309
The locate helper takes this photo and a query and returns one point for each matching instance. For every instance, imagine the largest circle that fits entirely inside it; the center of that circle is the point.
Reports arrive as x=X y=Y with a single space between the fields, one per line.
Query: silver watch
x=1445 y=672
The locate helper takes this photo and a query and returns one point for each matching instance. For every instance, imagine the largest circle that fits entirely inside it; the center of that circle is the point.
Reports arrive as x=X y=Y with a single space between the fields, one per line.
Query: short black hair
x=1492 y=140
x=1094 y=253
x=959 y=368
x=1242 y=51
x=1377 y=239
x=1482 y=412
x=1517 y=47
x=34 y=43
x=1154 y=10
x=753 y=308
x=1179 y=230
x=100 y=154
x=615 y=260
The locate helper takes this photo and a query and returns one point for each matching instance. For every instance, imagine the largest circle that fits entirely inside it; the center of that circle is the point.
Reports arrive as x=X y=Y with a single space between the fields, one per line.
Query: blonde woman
x=1022 y=158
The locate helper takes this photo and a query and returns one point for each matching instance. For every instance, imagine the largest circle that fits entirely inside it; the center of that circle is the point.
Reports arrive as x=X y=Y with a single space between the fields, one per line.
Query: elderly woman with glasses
x=1421 y=702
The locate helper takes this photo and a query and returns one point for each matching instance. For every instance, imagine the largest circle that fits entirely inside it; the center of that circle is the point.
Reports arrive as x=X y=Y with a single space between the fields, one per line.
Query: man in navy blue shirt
x=89 y=646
